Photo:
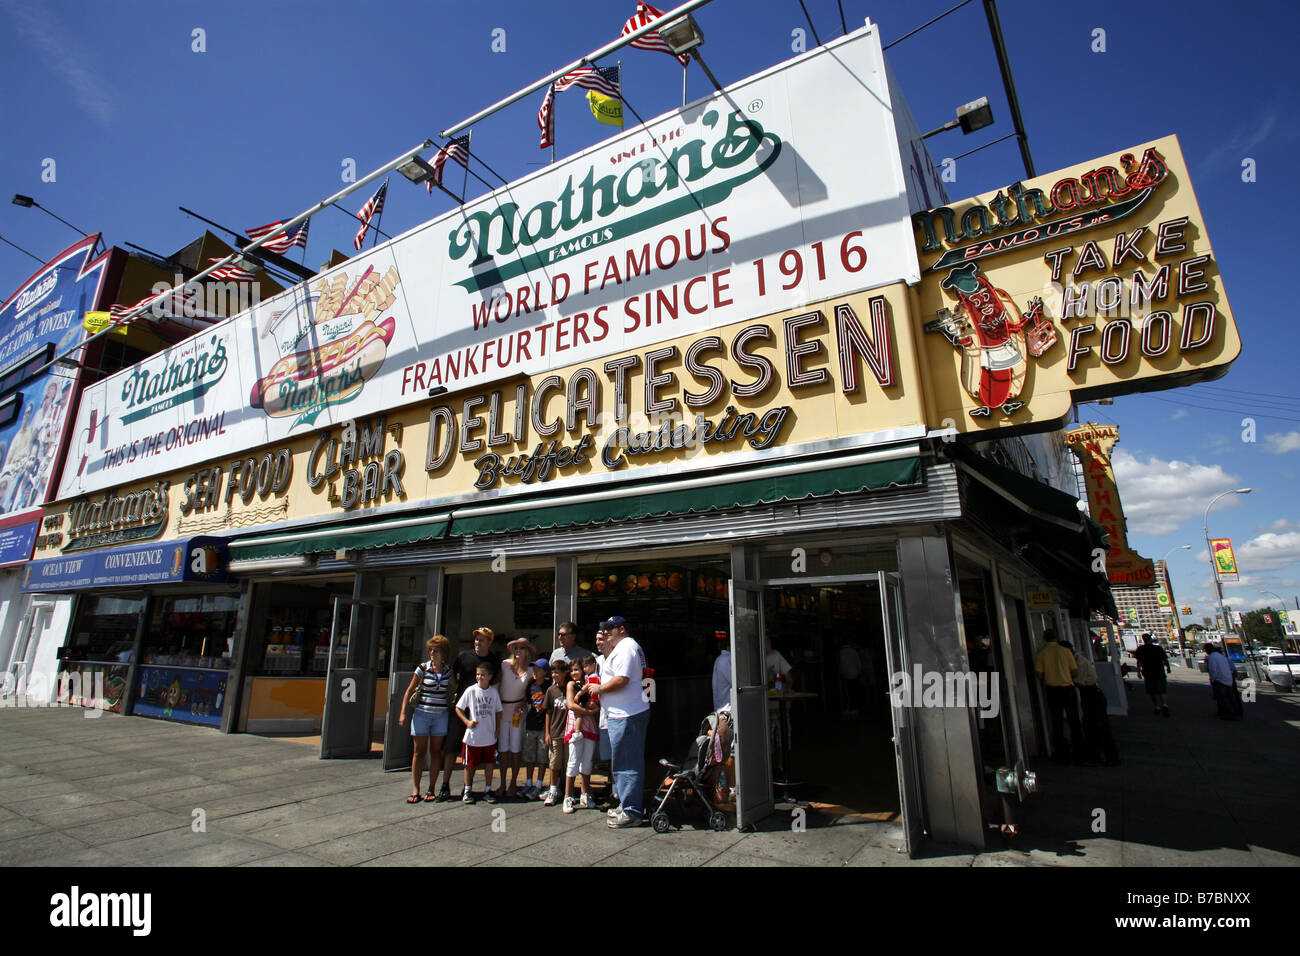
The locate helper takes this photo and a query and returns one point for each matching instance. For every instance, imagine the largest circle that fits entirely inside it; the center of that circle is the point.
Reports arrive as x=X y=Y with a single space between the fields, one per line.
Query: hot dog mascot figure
x=991 y=334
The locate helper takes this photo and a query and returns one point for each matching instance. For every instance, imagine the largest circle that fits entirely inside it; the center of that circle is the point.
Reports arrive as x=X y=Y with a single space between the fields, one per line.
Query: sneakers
x=491 y=797
x=613 y=812
x=443 y=795
x=466 y=796
x=585 y=803
x=622 y=821
x=568 y=804
x=551 y=796
x=532 y=792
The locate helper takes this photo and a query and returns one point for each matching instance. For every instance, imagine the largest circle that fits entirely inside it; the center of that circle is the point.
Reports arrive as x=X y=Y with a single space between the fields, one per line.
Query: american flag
x=373 y=207
x=457 y=149
x=231 y=273
x=602 y=79
x=651 y=41
x=280 y=244
x=546 y=118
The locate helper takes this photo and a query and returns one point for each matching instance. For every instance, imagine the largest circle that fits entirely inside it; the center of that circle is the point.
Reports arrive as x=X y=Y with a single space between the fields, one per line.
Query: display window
x=94 y=665
x=292 y=637
x=192 y=631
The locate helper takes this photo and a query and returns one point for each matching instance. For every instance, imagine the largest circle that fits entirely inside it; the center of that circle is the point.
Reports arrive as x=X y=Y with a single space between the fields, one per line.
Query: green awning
x=746 y=490
x=1058 y=526
x=375 y=534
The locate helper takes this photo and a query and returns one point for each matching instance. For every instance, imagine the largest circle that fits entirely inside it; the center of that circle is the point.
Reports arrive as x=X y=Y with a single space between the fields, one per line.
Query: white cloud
x=1283 y=524
x=1281 y=444
x=1159 y=496
x=63 y=56
x=1269 y=551
x=1179 y=413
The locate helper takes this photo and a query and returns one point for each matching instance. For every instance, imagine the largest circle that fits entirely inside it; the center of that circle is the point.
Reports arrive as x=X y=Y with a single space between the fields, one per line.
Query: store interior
x=841 y=749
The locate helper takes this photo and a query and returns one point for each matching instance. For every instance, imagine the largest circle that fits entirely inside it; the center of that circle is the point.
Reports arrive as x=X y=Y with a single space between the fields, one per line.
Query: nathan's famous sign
x=1093 y=443
x=839 y=374
x=1093 y=281
x=745 y=204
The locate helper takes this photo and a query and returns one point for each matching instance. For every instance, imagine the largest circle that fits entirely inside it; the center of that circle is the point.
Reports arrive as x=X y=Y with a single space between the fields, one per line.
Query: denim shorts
x=429 y=723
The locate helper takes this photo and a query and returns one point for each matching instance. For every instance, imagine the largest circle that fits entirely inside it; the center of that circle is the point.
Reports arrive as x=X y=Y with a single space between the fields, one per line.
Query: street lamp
x=1214 y=567
x=971 y=116
x=28 y=202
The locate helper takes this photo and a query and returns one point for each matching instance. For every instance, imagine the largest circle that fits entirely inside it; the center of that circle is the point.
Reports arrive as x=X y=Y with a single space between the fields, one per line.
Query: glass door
x=749 y=702
x=347 y=724
x=405 y=654
x=909 y=785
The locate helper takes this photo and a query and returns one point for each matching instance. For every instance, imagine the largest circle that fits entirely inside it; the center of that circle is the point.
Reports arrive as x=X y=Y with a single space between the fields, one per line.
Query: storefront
x=152 y=628
x=774 y=422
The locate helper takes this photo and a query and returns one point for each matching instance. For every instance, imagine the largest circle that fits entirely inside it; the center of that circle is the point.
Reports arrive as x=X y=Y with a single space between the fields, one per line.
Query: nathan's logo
x=177 y=381
x=576 y=212
x=36 y=293
x=115 y=519
x=306 y=383
x=1032 y=208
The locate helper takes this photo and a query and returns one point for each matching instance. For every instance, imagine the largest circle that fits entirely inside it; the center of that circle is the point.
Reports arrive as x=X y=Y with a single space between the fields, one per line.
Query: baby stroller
x=699 y=775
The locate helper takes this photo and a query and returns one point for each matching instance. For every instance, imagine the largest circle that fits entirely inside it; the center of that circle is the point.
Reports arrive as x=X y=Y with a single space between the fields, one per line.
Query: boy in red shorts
x=479 y=709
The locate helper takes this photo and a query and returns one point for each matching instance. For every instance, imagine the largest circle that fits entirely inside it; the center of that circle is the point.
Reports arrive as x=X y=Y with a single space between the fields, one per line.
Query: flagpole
x=684 y=66
x=469 y=151
x=380 y=217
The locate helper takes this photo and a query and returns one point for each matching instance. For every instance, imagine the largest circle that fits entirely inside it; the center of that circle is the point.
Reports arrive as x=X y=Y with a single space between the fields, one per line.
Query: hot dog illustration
x=328 y=375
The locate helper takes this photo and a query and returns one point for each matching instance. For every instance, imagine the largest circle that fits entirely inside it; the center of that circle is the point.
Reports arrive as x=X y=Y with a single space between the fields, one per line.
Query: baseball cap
x=612 y=623
x=542 y=662
x=486 y=632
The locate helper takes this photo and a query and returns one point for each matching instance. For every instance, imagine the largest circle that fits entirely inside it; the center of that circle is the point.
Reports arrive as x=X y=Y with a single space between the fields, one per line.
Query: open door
x=749 y=704
x=347 y=723
x=406 y=652
x=909 y=783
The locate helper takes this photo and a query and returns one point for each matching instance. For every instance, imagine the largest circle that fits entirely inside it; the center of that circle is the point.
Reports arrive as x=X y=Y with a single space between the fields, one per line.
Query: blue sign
x=188 y=694
x=172 y=562
x=43 y=319
x=16 y=541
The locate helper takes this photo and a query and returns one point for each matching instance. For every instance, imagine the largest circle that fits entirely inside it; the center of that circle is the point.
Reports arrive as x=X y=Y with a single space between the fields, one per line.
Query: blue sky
x=258 y=125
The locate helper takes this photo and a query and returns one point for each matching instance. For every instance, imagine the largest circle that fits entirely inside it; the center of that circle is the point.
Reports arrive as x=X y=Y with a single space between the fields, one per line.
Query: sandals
x=430 y=797
x=413 y=798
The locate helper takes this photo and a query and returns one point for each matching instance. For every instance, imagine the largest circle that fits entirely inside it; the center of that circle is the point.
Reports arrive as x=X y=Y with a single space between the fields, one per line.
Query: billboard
x=1225 y=560
x=1091 y=281
x=1093 y=443
x=748 y=203
x=39 y=321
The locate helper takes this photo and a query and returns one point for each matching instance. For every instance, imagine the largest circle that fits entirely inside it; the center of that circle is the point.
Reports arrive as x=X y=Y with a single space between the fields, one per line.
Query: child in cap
x=534 y=754
x=557 y=714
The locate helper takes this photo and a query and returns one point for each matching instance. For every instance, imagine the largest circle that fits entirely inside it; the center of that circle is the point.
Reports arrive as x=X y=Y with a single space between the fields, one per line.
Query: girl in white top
x=515 y=676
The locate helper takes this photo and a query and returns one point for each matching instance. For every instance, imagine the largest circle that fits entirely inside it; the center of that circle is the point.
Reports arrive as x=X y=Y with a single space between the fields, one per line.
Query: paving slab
x=445 y=853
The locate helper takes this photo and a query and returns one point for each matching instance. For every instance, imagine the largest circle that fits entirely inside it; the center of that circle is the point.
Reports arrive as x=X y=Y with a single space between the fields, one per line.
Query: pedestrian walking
x=1153 y=666
x=1098 y=743
x=1056 y=668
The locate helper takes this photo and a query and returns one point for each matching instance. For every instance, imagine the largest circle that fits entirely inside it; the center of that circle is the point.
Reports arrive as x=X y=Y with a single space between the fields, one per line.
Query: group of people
x=1070 y=680
x=543 y=716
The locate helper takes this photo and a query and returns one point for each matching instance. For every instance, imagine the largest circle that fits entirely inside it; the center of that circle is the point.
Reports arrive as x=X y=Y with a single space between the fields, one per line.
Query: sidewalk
x=120 y=791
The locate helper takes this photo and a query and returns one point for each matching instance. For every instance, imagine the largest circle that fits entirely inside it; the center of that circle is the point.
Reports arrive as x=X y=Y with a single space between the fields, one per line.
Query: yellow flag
x=606 y=109
x=98 y=321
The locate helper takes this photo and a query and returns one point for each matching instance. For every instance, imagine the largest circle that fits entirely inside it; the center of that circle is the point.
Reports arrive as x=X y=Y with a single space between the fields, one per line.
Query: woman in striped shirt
x=430 y=694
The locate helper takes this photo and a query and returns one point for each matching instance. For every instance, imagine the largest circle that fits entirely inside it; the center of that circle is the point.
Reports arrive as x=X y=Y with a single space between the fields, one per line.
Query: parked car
x=1282 y=670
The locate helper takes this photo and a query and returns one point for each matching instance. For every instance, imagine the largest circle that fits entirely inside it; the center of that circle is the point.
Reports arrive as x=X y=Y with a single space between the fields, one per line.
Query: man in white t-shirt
x=627 y=712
